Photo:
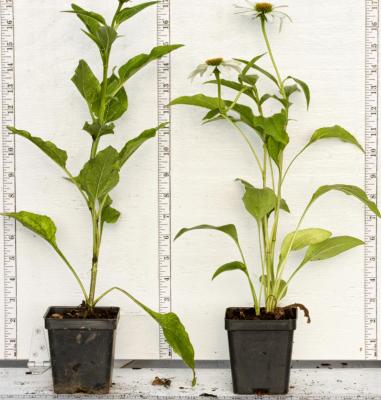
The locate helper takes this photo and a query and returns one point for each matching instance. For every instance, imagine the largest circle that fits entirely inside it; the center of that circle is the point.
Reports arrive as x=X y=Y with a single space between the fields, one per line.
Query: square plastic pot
x=260 y=354
x=81 y=351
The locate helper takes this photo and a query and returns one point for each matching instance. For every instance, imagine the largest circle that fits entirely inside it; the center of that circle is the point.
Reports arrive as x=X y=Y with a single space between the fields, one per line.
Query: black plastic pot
x=260 y=354
x=81 y=351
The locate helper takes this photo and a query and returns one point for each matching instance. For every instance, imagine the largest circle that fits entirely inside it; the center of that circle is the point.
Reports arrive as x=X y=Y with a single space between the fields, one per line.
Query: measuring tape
x=371 y=175
x=164 y=178
x=9 y=184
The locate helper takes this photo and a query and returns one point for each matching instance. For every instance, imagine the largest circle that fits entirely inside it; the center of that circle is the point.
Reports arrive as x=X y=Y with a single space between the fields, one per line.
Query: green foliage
x=336 y=132
x=107 y=101
x=100 y=174
x=264 y=201
x=39 y=224
x=129 y=12
x=232 y=266
x=50 y=149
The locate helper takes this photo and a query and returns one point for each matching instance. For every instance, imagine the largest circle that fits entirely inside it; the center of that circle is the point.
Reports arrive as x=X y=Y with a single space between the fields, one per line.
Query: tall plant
x=107 y=102
x=265 y=202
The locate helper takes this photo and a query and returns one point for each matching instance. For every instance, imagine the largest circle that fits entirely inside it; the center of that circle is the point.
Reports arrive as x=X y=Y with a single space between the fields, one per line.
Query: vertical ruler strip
x=371 y=185
x=164 y=181
x=9 y=184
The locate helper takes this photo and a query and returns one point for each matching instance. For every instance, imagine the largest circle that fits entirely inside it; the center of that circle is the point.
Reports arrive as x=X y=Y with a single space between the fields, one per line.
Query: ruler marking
x=371 y=174
x=164 y=168
x=9 y=184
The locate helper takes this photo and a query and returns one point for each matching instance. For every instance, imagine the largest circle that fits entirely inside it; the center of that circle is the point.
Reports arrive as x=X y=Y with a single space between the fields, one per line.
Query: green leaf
x=249 y=64
x=87 y=84
x=261 y=70
x=232 y=266
x=229 y=230
x=334 y=132
x=211 y=115
x=174 y=332
x=249 y=79
x=50 y=149
x=101 y=174
x=96 y=130
x=109 y=214
x=129 y=12
x=106 y=36
x=274 y=148
x=330 y=248
x=283 y=204
x=198 y=100
x=131 y=146
x=39 y=224
x=303 y=238
x=116 y=105
x=92 y=20
x=177 y=337
x=304 y=87
x=136 y=63
x=273 y=126
x=259 y=202
x=349 y=190
x=290 y=90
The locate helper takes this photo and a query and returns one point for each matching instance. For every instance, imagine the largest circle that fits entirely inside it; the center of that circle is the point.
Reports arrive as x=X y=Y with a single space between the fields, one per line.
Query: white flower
x=264 y=10
x=214 y=64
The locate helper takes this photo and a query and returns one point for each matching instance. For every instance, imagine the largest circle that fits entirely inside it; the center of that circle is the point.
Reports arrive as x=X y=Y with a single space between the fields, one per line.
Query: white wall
x=324 y=46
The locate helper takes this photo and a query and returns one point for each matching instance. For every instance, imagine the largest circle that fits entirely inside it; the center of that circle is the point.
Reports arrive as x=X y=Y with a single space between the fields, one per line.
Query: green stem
x=77 y=278
x=292 y=161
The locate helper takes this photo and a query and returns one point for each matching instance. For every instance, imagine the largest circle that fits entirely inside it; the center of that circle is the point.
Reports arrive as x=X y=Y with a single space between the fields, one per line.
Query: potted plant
x=260 y=337
x=82 y=337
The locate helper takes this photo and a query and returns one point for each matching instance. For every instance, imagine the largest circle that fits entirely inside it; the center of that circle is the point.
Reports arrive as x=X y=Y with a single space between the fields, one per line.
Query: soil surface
x=82 y=312
x=243 y=313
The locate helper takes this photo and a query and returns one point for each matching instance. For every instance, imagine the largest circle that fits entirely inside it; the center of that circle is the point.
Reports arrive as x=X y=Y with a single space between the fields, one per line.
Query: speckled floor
x=136 y=384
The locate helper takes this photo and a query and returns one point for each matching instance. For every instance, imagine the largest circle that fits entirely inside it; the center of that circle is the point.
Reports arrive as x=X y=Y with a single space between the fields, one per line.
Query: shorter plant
x=265 y=202
x=107 y=102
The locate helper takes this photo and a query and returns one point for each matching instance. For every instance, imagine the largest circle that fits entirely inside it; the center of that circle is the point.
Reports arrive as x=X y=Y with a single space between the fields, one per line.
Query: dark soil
x=280 y=313
x=82 y=312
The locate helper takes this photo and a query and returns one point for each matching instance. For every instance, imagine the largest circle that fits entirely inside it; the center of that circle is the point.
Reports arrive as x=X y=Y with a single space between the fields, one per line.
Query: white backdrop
x=324 y=46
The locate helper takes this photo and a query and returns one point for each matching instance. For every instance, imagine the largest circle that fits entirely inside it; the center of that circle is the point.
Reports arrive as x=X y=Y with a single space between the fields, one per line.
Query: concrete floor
x=319 y=384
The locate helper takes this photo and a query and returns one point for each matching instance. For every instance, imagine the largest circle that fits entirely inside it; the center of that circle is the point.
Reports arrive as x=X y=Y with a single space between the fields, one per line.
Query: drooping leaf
x=177 y=337
x=303 y=238
x=232 y=266
x=87 y=84
x=304 y=87
x=349 y=190
x=229 y=230
x=273 y=126
x=101 y=174
x=330 y=248
x=274 y=148
x=131 y=146
x=174 y=332
x=109 y=214
x=335 y=132
x=39 y=224
x=117 y=104
x=136 y=63
x=129 y=12
x=92 y=20
x=95 y=129
x=50 y=149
